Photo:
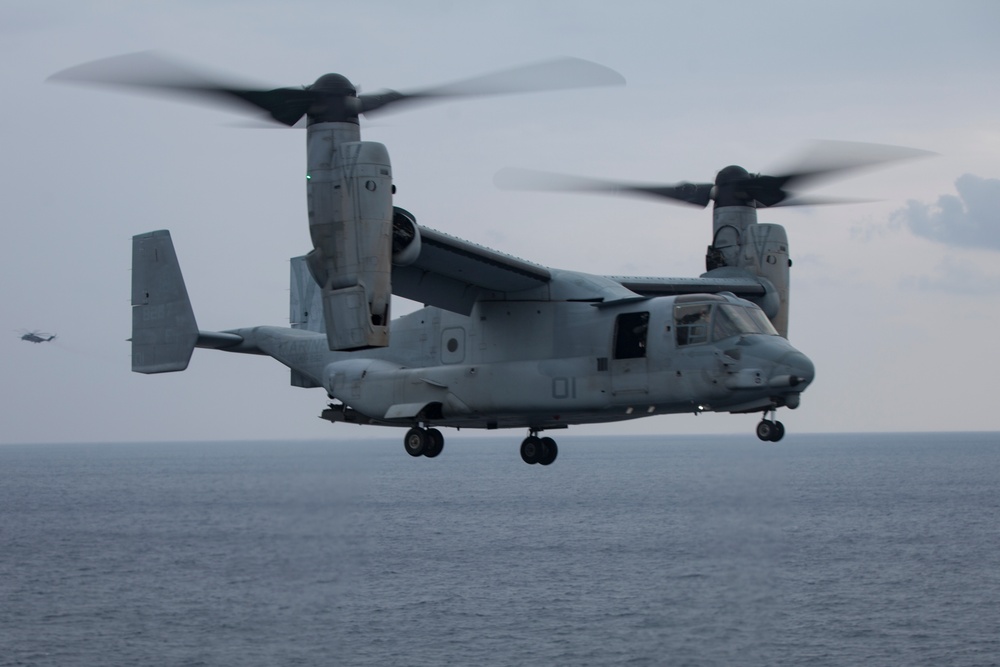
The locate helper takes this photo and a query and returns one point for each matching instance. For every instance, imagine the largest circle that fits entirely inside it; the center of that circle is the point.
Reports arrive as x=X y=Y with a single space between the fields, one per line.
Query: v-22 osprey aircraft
x=501 y=342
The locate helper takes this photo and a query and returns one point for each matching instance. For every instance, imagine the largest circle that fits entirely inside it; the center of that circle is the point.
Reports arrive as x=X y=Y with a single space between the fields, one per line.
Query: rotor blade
x=150 y=72
x=510 y=178
x=557 y=74
x=832 y=159
x=140 y=69
x=823 y=160
x=795 y=200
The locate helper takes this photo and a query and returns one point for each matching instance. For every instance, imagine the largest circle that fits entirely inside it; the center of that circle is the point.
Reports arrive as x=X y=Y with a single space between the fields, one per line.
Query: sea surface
x=711 y=550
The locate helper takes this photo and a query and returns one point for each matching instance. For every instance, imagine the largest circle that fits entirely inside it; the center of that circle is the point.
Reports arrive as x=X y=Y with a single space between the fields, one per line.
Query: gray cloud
x=970 y=219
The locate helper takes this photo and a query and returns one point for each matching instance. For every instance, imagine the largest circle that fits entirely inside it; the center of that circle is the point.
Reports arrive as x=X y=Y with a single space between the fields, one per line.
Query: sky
x=897 y=301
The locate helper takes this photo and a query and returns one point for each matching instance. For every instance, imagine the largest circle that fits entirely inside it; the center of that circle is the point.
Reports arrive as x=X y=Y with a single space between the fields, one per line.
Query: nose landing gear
x=770 y=430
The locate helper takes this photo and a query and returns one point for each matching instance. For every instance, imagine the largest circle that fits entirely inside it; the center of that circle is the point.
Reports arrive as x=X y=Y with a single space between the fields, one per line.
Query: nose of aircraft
x=790 y=371
x=799 y=367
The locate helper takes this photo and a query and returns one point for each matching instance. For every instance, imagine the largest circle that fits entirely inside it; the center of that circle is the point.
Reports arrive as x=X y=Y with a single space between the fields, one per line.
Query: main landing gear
x=423 y=442
x=429 y=442
x=538 y=450
x=770 y=430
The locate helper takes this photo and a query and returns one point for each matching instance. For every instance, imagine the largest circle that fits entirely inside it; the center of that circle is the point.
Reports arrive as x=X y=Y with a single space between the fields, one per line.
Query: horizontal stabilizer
x=164 y=331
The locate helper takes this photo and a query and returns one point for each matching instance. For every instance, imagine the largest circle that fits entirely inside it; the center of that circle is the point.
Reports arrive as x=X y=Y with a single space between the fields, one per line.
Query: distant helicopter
x=501 y=342
x=37 y=336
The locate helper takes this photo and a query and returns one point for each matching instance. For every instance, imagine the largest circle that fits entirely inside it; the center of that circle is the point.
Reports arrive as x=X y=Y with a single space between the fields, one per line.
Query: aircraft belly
x=523 y=392
x=533 y=387
x=404 y=411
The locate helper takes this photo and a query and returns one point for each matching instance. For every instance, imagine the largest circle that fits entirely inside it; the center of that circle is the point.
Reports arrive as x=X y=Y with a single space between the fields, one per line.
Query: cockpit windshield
x=733 y=320
x=698 y=322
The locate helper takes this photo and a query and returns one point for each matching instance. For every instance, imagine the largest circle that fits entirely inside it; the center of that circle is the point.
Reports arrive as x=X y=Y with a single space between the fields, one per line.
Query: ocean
x=848 y=549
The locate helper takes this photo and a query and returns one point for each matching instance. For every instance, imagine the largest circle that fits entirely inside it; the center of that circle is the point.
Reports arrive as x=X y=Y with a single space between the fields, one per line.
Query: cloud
x=971 y=219
x=954 y=276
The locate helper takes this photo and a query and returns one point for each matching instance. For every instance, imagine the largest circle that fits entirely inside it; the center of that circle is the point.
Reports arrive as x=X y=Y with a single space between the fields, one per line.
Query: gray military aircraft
x=500 y=342
x=36 y=336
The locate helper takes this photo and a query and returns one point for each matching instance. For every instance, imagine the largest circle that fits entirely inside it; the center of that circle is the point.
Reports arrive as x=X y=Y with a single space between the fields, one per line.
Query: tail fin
x=306 y=302
x=164 y=331
x=305 y=309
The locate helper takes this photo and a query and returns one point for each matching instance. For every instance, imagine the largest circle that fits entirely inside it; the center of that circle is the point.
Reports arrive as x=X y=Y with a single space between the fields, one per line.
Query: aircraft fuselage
x=549 y=364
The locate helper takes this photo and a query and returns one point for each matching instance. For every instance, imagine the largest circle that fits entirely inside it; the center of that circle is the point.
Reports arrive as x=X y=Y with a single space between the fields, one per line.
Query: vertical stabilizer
x=305 y=298
x=164 y=331
x=305 y=309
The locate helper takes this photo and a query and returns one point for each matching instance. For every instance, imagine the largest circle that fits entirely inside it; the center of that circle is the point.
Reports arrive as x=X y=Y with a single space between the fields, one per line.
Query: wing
x=746 y=286
x=451 y=273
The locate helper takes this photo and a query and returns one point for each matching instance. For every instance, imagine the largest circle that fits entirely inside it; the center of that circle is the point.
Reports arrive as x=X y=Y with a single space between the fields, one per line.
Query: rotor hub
x=731 y=174
x=731 y=187
x=334 y=84
x=333 y=98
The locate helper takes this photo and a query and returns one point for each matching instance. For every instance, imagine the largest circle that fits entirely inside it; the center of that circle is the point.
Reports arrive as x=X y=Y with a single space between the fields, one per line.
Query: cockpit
x=700 y=318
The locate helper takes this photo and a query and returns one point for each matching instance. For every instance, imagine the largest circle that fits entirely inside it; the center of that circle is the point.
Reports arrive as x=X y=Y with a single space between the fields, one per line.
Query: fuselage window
x=630 y=335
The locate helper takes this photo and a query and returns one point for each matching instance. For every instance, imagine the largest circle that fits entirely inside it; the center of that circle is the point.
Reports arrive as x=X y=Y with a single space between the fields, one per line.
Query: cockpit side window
x=691 y=323
x=696 y=322
x=630 y=335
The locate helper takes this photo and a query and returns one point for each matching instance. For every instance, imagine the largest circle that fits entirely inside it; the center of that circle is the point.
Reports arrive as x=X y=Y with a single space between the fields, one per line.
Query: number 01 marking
x=563 y=387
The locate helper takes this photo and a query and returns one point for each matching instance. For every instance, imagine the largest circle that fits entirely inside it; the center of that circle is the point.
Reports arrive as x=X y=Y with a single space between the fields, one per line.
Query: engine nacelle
x=350 y=221
x=740 y=242
x=405 y=237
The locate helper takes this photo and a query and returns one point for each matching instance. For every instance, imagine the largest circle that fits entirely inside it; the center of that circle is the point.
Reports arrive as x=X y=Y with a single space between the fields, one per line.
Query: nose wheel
x=770 y=430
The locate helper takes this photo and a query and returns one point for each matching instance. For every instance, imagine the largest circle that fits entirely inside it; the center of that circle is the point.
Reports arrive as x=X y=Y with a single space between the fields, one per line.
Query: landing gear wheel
x=765 y=429
x=779 y=432
x=416 y=441
x=770 y=431
x=435 y=443
x=549 y=451
x=531 y=449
